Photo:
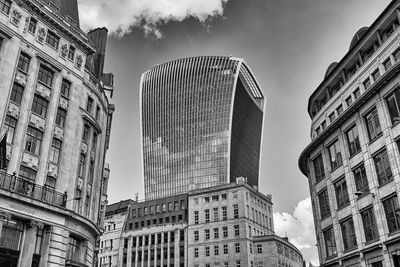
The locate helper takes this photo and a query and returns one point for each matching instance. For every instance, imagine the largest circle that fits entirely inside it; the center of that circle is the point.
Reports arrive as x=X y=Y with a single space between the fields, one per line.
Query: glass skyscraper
x=201 y=122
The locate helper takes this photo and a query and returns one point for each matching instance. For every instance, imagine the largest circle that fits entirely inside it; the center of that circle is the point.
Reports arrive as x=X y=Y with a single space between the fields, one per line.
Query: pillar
x=28 y=247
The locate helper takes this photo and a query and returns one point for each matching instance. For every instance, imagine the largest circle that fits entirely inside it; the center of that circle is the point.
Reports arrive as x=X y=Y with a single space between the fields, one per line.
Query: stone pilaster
x=28 y=247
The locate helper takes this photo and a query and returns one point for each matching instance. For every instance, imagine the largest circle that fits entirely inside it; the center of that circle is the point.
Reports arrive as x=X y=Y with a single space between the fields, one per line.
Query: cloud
x=299 y=228
x=121 y=16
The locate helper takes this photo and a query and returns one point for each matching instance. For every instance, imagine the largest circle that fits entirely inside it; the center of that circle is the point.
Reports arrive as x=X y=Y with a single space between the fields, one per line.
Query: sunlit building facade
x=353 y=160
x=201 y=122
x=55 y=107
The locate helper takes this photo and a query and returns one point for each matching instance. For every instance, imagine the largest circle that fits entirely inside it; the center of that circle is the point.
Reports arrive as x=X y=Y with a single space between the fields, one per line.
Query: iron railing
x=28 y=188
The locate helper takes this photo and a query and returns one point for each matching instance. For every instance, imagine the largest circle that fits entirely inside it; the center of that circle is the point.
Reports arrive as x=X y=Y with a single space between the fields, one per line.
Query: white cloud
x=299 y=228
x=121 y=16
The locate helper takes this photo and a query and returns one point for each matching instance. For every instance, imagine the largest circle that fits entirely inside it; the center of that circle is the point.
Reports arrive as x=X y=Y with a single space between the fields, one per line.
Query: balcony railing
x=28 y=188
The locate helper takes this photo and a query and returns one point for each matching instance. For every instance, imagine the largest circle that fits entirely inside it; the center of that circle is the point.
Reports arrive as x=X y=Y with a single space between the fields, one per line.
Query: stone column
x=28 y=247
x=4 y=218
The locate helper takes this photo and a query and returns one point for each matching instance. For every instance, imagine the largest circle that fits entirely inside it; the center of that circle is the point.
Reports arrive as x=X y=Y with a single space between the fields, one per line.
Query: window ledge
x=46 y=85
x=394 y=232
x=376 y=138
x=337 y=167
x=355 y=154
x=371 y=241
x=386 y=182
x=343 y=206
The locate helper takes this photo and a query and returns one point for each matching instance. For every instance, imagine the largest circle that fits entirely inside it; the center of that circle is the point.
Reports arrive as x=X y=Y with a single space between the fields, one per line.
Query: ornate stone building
x=55 y=108
x=353 y=160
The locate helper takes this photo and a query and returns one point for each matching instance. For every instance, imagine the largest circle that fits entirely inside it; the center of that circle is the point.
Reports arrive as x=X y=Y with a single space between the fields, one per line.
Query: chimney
x=99 y=39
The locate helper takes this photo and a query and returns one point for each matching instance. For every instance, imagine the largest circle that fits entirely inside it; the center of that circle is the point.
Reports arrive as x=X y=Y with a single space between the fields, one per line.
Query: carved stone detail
x=38 y=225
x=43 y=91
x=64 y=50
x=13 y=110
x=59 y=133
x=30 y=160
x=38 y=122
x=41 y=35
x=63 y=103
x=79 y=61
x=16 y=16
x=53 y=170
x=5 y=216
x=84 y=148
x=20 y=78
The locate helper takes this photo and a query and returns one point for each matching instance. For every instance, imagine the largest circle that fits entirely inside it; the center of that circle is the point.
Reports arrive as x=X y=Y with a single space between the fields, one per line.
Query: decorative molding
x=41 y=35
x=16 y=16
x=64 y=50
x=79 y=61
x=5 y=216
x=38 y=225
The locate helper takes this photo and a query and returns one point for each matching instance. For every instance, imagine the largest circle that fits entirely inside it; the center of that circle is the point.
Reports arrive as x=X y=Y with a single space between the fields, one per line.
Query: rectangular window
x=39 y=106
x=259 y=249
x=82 y=162
x=50 y=182
x=215 y=214
x=335 y=155
x=383 y=168
x=52 y=39
x=71 y=53
x=225 y=248
x=387 y=64
x=196 y=217
x=23 y=62
x=367 y=83
x=368 y=219
x=324 y=204
x=16 y=93
x=196 y=252
x=225 y=231
x=207 y=215
x=235 y=211
x=342 y=196
x=33 y=140
x=65 y=88
x=5 y=6
x=10 y=125
x=207 y=234
x=60 y=117
x=196 y=235
x=330 y=244
x=361 y=180
x=339 y=110
x=216 y=233
x=349 y=101
x=348 y=234
x=27 y=173
x=373 y=125
x=236 y=230
x=97 y=113
x=376 y=74
x=319 y=168
x=89 y=105
x=86 y=133
x=353 y=140
x=332 y=117
x=357 y=93
x=216 y=250
x=237 y=247
x=55 y=150
x=45 y=76
x=207 y=250
x=32 y=25
x=224 y=213
x=391 y=206
x=393 y=102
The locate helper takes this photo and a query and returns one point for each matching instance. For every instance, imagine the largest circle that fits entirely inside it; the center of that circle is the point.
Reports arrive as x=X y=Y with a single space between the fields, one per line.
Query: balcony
x=28 y=188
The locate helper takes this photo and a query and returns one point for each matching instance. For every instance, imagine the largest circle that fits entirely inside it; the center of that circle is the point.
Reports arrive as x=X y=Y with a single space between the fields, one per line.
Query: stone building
x=353 y=160
x=110 y=244
x=155 y=233
x=223 y=220
x=56 y=112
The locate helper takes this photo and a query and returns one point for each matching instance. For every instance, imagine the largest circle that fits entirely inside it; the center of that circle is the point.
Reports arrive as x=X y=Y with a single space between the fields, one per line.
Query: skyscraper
x=201 y=122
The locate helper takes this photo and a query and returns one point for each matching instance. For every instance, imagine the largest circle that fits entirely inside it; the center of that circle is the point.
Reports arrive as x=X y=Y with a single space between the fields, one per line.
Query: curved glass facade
x=187 y=110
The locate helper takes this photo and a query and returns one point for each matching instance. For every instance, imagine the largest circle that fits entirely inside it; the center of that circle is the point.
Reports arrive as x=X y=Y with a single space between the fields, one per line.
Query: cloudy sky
x=287 y=43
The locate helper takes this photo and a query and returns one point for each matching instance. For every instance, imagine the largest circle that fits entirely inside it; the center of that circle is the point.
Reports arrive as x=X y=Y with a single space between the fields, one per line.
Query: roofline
x=280 y=239
x=350 y=51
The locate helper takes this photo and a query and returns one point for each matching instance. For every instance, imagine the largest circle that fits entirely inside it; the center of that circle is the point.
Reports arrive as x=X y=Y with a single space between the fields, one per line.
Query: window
x=176 y=206
x=86 y=133
x=237 y=263
x=353 y=140
x=97 y=116
x=94 y=140
x=319 y=168
x=216 y=250
x=377 y=264
x=196 y=235
x=23 y=62
x=65 y=88
x=207 y=215
x=235 y=211
x=10 y=125
x=27 y=173
x=196 y=217
x=368 y=220
x=324 y=204
x=383 y=167
x=236 y=230
x=237 y=247
x=225 y=248
x=207 y=234
x=259 y=249
x=5 y=6
x=215 y=198
x=55 y=150
x=376 y=74
x=45 y=76
x=164 y=208
x=373 y=125
x=391 y=206
x=52 y=39
x=207 y=249
x=330 y=244
x=33 y=140
x=348 y=234
x=360 y=178
x=89 y=105
x=396 y=54
x=215 y=212
x=349 y=101
x=16 y=93
x=32 y=25
x=71 y=53
x=225 y=231
x=393 y=102
x=335 y=155
x=387 y=63
x=206 y=199
x=196 y=252
x=60 y=117
x=223 y=196
x=357 y=93
x=339 y=110
x=170 y=206
x=39 y=106
x=342 y=196
x=332 y=117
x=235 y=194
x=224 y=213
x=81 y=169
x=216 y=233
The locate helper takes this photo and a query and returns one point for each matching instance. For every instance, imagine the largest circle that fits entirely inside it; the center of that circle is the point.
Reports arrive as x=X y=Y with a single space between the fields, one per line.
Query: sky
x=288 y=44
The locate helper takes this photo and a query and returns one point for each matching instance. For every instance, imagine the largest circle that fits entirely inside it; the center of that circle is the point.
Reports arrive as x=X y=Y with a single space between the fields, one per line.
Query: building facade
x=110 y=244
x=353 y=160
x=155 y=233
x=56 y=112
x=201 y=122
x=223 y=222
